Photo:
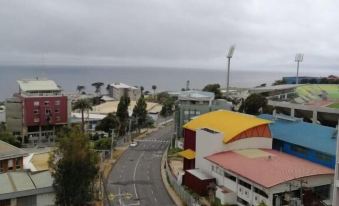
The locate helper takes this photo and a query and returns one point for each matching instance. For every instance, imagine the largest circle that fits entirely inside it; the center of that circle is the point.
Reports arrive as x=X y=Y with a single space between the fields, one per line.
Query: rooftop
x=267 y=167
x=112 y=106
x=17 y=183
x=122 y=86
x=8 y=151
x=200 y=174
x=196 y=95
x=313 y=136
x=229 y=123
x=30 y=85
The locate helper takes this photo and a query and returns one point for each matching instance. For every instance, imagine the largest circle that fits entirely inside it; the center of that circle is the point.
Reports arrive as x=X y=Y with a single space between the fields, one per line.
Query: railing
x=184 y=195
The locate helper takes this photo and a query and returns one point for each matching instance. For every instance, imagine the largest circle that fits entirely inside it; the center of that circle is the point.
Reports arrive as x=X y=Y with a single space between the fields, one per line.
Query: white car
x=133 y=144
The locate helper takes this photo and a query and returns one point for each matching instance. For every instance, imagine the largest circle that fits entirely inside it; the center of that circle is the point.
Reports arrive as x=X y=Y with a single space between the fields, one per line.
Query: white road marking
x=135 y=172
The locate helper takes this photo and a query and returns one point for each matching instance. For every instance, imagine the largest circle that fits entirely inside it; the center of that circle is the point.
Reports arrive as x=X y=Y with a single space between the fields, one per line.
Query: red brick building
x=37 y=110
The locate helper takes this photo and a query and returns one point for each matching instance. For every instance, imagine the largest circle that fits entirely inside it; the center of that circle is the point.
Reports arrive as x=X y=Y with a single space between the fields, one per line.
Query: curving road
x=136 y=178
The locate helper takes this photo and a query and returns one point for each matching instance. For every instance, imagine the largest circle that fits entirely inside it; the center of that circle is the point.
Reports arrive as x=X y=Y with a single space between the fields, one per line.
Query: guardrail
x=184 y=195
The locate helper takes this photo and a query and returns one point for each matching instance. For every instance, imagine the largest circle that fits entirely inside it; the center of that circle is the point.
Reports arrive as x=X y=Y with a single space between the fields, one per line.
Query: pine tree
x=140 y=112
x=122 y=113
x=74 y=169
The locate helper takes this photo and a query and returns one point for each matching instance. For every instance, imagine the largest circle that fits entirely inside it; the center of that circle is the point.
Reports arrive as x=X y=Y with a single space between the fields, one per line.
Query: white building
x=2 y=114
x=234 y=151
x=116 y=90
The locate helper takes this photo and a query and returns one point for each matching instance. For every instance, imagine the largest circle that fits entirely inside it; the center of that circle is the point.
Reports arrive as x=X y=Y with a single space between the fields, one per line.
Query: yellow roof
x=229 y=123
x=188 y=154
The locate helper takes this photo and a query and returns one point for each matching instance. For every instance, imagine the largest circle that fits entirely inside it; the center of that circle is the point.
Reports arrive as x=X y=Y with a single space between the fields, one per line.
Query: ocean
x=68 y=77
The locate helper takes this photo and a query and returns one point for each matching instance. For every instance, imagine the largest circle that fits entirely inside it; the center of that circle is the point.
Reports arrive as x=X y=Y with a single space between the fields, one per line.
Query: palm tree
x=154 y=87
x=82 y=105
x=97 y=86
x=80 y=88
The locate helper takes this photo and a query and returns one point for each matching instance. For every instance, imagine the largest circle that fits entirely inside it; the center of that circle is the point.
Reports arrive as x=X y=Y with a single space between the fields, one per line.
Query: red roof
x=268 y=171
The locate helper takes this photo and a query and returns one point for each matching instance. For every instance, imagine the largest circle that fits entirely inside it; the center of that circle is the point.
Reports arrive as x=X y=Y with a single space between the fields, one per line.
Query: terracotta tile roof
x=268 y=170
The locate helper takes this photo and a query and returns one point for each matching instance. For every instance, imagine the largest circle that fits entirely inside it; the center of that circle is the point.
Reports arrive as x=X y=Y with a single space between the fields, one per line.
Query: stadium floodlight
x=229 y=56
x=299 y=57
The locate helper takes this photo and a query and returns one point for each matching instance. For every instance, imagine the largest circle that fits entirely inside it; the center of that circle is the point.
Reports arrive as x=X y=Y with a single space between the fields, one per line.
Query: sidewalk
x=176 y=199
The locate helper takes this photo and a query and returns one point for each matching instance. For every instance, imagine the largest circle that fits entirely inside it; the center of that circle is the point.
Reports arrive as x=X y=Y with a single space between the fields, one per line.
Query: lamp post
x=229 y=56
x=298 y=58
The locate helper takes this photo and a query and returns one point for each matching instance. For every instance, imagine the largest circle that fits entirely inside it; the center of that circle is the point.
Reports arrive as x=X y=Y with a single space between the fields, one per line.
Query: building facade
x=37 y=111
x=194 y=103
x=240 y=167
x=117 y=90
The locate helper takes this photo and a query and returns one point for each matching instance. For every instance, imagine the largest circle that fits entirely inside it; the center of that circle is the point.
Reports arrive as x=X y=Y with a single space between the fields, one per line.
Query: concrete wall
x=14 y=115
x=209 y=143
x=47 y=199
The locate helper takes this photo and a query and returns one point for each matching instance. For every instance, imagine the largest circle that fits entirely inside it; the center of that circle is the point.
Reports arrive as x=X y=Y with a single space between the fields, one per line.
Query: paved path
x=136 y=178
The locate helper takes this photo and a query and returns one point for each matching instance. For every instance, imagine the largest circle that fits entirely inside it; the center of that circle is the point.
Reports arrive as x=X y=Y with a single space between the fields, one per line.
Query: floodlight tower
x=229 y=56
x=298 y=58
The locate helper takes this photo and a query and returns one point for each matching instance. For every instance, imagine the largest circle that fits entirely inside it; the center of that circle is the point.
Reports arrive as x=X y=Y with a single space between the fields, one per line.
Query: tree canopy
x=74 y=168
x=122 y=113
x=215 y=88
x=140 y=112
x=6 y=136
x=253 y=104
x=108 y=123
x=97 y=86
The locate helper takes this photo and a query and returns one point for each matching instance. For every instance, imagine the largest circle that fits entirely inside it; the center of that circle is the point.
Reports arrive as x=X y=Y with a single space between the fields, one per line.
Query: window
x=260 y=192
x=57 y=110
x=323 y=157
x=46 y=103
x=57 y=118
x=36 y=119
x=10 y=165
x=186 y=112
x=17 y=163
x=36 y=111
x=197 y=113
x=213 y=168
x=299 y=149
x=36 y=103
x=47 y=111
x=242 y=201
x=1 y=166
x=5 y=202
x=57 y=102
x=244 y=184
x=229 y=176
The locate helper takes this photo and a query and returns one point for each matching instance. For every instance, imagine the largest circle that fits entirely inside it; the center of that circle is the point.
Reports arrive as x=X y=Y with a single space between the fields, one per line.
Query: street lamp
x=298 y=58
x=229 y=56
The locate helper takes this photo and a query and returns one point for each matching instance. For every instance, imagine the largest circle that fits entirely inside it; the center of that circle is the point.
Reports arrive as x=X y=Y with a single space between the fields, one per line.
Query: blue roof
x=312 y=136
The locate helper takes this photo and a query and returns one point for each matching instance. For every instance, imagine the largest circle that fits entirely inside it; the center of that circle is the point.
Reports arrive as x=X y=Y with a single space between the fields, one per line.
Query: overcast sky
x=171 y=33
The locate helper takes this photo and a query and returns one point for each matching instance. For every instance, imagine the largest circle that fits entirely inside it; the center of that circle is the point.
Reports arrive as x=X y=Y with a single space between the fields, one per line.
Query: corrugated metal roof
x=24 y=181
x=229 y=123
x=268 y=171
x=9 y=151
x=313 y=136
x=28 y=85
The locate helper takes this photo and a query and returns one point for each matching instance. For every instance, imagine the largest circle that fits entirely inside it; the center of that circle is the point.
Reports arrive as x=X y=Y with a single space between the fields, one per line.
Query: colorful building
x=231 y=154
x=37 y=111
x=312 y=142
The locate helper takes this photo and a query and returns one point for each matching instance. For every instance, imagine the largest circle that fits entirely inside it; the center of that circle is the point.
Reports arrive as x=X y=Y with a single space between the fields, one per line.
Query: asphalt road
x=135 y=178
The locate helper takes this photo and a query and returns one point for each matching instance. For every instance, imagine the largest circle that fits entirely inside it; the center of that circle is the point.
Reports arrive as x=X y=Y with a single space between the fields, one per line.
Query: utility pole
x=298 y=58
x=112 y=143
x=229 y=56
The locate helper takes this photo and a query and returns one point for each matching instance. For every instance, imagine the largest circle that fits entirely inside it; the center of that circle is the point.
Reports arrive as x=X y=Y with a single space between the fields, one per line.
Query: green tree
x=103 y=144
x=253 y=104
x=162 y=97
x=140 y=112
x=74 y=168
x=215 y=88
x=108 y=123
x=97 y=86
x=167 y=108
x=6 y=136
x=154 y=87
x=80 y=89
x=122 y=113
x=84 y=105
x=278 y=82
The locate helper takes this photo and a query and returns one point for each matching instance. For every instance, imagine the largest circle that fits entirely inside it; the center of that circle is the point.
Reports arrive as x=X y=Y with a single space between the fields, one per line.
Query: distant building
x=37 y=111
x=193 y=103
x=301 y=80
x=2 y=114
x=230 y=155
x=11 y=158
x=117 y=90
x=312 y=142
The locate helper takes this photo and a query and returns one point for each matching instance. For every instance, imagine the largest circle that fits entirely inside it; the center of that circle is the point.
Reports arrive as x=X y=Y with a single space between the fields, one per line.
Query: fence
x=185 y=196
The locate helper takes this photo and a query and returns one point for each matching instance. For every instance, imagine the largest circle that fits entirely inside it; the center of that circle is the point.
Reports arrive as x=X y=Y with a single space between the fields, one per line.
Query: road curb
x=176 y=199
